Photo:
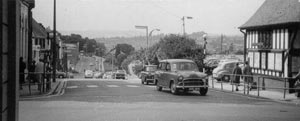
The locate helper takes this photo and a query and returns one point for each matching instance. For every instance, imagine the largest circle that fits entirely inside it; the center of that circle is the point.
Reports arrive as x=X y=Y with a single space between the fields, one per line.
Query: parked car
x=180 y=74
x=119 y=74
x=147 y=75
x=224 y=69
x=88 y=74
x=98 y=74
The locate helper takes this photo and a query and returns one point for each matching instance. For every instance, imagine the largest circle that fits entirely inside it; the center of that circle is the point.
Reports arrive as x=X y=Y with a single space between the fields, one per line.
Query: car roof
x=176 y=60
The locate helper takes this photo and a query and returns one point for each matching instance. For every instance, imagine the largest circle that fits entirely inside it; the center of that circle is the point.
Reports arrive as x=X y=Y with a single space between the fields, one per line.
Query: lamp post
x=54 y=42
x=205 y=42
x=145 y=27
x=183 y=24
x=150 y=34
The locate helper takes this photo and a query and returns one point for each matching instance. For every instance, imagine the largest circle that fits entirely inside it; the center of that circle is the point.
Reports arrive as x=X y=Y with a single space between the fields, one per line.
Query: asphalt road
x=127 y=100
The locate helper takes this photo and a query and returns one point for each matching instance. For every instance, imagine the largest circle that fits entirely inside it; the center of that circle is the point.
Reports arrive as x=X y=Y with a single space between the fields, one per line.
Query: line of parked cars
x=177 y=75
x=118 y=74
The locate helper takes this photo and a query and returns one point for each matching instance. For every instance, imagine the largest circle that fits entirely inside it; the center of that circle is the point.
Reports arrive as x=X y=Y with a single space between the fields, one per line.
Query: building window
x=265 y=39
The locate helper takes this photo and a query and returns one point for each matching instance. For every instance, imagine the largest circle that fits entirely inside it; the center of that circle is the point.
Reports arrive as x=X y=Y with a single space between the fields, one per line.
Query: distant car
x=60 y=74
x=180 y=74
x=119 y=74
x=147 y=75
x=88 y=74
x=224 y=69
x=98 y=74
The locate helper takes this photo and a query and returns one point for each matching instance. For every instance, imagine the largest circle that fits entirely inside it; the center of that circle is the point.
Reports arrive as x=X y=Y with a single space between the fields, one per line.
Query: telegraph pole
x=54 y=42
x=221 y=43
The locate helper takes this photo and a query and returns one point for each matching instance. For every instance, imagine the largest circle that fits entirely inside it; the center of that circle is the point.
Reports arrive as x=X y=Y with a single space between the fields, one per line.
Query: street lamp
x=205 y=42
x=145 y=27
x=183 y=24
x=153 y=31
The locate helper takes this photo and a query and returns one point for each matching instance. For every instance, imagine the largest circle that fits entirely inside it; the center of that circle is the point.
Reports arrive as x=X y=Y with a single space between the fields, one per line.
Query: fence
x=260 y=83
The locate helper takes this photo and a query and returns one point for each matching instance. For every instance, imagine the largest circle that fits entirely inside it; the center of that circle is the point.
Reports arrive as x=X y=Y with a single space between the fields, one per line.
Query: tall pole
x=221 y=42
x=147 y=51
x=183 y=26
x=54 y=42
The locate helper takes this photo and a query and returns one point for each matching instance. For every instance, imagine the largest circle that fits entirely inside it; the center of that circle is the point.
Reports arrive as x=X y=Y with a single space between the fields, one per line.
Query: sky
x=211 y=16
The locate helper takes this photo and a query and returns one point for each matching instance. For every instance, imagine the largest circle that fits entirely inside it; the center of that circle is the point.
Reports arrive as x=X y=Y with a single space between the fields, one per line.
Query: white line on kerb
x=91 y=86
x=132 y=86
x=72 y=87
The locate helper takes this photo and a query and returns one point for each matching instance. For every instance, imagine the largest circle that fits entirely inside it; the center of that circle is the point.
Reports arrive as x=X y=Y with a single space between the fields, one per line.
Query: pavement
x=31 y=91
x=275 y=95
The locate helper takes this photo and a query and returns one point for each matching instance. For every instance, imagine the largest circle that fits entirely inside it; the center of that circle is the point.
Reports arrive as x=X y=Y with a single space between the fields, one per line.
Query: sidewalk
x=25 y=92
x=277 y=95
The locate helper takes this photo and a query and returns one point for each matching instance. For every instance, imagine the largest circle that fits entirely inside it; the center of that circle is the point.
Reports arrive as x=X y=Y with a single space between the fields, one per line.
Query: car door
x=159 y=73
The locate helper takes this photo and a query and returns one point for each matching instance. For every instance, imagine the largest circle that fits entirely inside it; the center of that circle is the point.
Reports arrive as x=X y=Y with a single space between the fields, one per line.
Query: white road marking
x=112 y=85
x=91 y=86
x=132 y=86
x=151 y=86
x=72 y=87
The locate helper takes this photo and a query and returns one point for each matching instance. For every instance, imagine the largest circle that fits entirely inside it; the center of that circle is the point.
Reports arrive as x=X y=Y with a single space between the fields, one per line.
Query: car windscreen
x=184 y=66
x=151 y=68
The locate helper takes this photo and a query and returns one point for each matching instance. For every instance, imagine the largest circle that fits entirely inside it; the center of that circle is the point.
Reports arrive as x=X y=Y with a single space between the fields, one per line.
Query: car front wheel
x=203 y=91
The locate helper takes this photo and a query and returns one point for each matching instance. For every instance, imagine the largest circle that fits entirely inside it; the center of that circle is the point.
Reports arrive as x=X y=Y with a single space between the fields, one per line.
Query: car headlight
x=180 y=78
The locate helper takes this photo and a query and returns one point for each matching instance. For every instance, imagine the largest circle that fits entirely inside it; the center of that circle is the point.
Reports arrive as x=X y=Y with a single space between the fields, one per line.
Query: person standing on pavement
x=237 y=72
x=248 y=75
x=22 y=68
x=39 y=69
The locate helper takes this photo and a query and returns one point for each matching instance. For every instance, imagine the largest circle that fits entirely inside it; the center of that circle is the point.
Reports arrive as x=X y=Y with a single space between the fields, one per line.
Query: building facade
x=272 y=38
x=15 y=23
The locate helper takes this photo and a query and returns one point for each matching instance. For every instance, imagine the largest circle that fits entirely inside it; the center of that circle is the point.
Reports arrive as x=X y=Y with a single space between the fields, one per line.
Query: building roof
x=275 y=12
x=38 y=31
x=176 y=60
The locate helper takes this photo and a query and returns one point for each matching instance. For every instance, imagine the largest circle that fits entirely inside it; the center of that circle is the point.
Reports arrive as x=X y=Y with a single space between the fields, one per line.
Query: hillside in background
x=213 y=41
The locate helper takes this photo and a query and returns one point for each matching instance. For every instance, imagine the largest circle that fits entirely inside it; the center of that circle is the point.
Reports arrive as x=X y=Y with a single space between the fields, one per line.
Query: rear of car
x=120 y=74
x=88 y=74
x=224 y=70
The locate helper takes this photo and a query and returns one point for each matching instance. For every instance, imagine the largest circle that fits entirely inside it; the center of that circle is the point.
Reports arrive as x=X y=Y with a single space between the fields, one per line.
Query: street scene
x=150 y=60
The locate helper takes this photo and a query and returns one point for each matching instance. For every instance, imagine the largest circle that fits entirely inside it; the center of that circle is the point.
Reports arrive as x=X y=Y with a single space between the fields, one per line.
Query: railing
x=260 y=85
x=32 y=79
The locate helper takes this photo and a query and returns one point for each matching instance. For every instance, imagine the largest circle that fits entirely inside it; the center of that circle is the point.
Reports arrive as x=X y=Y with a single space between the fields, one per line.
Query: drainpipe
x=245 y=37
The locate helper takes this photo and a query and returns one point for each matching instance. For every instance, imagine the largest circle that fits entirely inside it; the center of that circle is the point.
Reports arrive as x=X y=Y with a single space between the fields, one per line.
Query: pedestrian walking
x=237 y=72
x=39 y=69
x=248 y=75
x=31 y=76
x=22 y=68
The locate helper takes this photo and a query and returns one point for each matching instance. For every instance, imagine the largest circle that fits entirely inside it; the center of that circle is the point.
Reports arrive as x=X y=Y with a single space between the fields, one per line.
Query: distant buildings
x=72 y=54
x=272 y=41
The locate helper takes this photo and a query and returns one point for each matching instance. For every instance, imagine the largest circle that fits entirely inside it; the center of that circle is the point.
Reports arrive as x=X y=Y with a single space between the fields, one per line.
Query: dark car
x=147 y=75
x=180 y=74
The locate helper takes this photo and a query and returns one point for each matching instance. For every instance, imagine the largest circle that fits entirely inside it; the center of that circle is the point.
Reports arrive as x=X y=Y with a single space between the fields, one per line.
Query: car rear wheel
x=226 y=78
x=174 y=90
x=203 y=91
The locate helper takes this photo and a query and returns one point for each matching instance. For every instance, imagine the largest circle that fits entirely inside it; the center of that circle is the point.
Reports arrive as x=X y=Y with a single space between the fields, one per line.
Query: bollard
x=257 y=86
x=212 y=82
x=263 y=84
x=244 y=86
x=221 y=84
x=284 y=90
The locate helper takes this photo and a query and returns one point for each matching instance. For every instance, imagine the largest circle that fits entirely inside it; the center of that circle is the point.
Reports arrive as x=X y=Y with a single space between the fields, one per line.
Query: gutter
x=245 y=44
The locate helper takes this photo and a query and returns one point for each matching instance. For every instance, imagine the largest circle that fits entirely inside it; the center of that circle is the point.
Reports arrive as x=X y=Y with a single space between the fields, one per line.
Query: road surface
x=128 y=100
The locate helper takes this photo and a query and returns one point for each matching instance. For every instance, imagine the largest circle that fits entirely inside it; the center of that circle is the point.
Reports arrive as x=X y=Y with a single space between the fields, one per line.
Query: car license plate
x=197 y=89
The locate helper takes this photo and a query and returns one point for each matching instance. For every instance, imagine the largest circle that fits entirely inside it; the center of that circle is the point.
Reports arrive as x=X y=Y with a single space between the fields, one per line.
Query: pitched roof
x=38 y=31
x=275 y=12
